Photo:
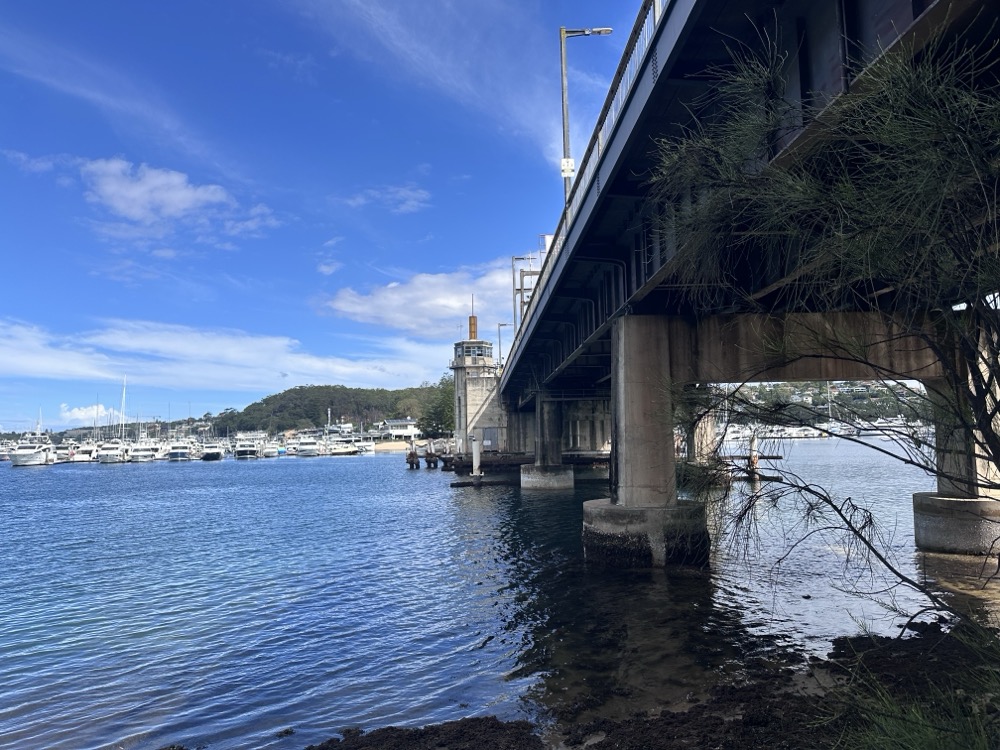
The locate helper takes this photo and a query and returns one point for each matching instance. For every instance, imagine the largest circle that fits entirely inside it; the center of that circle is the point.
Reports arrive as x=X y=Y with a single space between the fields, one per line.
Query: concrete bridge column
x=643 y=524
x=548 y=471
x=520 y=431
x=963 y=516
x=699 y=434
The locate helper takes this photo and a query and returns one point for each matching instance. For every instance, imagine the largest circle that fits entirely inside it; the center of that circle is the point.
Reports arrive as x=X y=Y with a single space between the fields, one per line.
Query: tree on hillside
x=438 y=419
x=409 y=406
x=308 y=406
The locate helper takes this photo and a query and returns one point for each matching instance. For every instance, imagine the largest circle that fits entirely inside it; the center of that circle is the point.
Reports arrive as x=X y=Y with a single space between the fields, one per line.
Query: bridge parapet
x=637 y=47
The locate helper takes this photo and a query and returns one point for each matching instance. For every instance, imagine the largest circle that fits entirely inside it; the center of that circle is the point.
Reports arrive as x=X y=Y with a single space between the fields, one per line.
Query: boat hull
x=39 y=458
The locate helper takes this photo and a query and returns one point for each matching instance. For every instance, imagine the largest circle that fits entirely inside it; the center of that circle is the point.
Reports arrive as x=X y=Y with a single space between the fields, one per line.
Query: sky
x=214 y=202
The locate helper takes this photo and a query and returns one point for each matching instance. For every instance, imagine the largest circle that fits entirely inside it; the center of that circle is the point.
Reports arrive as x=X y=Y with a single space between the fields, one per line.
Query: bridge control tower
x=476 y=380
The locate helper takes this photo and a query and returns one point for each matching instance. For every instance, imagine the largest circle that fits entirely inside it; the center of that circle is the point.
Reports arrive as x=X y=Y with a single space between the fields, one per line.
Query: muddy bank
x=790 y=703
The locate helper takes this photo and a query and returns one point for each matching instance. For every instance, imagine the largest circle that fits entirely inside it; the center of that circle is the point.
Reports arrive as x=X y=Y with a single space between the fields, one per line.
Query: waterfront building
x=404 y=428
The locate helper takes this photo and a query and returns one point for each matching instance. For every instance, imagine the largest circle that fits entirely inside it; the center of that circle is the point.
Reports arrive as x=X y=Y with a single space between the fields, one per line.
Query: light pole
x=568 y=167
x=500 y=343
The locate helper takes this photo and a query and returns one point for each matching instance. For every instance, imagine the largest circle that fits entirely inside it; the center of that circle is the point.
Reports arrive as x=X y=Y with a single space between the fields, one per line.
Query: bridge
x=621 y=319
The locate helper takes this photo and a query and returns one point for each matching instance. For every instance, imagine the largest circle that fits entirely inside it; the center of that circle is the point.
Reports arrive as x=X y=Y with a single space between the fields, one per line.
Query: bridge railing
x=650 y=15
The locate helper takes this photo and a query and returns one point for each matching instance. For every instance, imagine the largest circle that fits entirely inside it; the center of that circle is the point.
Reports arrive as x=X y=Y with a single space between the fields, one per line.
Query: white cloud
x=130 y=234
x=399 y=199
x=97 y=414
x=146 y=205
x=302 y=67
x=103 y=86
x=432 y=305
x=26 y=350
x=494 y=57
x=30 y=164
x=329 y=267
x=146 y=194
x=259 y=217
x=225 y=360
x=446 y=45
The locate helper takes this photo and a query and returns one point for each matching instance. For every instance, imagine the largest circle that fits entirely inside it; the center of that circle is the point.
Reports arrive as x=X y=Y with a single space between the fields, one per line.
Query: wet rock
x=488 y=733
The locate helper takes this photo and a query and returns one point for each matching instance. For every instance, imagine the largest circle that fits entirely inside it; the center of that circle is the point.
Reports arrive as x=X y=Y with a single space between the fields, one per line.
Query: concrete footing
x=546 y=477
x=645 y=537
x=966 y=526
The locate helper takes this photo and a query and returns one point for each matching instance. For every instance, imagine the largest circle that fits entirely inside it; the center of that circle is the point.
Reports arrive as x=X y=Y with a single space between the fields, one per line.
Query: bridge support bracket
x=958 y=525
x=534 y=477
x=645 y=537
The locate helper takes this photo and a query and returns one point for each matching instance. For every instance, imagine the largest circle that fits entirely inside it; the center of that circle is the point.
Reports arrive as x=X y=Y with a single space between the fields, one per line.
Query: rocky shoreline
x=815 y=703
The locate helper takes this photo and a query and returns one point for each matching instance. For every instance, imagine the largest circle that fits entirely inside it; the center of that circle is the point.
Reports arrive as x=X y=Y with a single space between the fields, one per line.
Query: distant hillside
x=306 y=406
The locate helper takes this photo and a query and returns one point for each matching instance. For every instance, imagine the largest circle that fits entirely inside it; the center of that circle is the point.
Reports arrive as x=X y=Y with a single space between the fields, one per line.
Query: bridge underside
x=626 y=311
x=623 y=255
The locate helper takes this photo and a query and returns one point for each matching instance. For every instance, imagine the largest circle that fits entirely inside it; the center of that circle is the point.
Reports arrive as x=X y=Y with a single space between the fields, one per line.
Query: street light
x=500 y=343
x=568 y=167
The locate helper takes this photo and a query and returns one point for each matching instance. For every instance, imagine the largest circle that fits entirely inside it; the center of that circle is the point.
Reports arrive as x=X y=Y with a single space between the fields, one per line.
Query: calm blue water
x=216 y=604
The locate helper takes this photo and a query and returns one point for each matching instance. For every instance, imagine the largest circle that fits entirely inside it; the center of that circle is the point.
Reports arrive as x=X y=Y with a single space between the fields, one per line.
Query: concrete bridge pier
x=643 y=524
x=548 y=471
x=963 y=516
x=699 y=434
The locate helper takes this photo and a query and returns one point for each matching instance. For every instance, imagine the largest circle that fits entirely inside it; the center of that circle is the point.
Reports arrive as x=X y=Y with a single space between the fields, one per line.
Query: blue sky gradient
x=223 y=200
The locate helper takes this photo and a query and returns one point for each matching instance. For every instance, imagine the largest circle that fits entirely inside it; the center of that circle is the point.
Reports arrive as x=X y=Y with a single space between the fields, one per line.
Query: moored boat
x=308 y=447
x=338 y=448
x=114 y=452
x=85 y=453
x=144 y=451
x=246 y=449
x=180 y=451
x=65 y=451
x=34 y=449
x=213 y=452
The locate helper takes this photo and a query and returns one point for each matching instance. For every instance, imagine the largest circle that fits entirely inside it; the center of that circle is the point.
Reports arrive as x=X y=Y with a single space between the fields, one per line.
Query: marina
x=37 y=449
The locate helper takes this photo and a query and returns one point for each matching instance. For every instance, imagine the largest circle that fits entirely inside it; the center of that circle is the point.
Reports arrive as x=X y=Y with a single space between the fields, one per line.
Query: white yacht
x=180 y=451
x=341 y=448
x=85 y=453
x=736 y=433
x=114 y=452
x=144 y=451
x=213 y=452
x=246 y=449
x=271 y=449
x=309 y=446
x=65 y=451
x=34 y=449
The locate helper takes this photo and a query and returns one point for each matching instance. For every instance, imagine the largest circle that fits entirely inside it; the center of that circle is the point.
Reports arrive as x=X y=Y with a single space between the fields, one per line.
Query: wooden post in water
x=430 y=456
x=412 y=459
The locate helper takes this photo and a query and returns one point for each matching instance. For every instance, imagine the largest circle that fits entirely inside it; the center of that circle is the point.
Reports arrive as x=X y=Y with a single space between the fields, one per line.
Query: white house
x=399 y=429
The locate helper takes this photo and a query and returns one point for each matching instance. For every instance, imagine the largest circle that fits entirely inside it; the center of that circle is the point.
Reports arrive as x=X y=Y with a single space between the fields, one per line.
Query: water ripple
x=216 y=604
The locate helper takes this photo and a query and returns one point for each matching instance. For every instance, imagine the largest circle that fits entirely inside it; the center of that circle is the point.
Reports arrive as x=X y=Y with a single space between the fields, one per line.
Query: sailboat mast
x=121 y=413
